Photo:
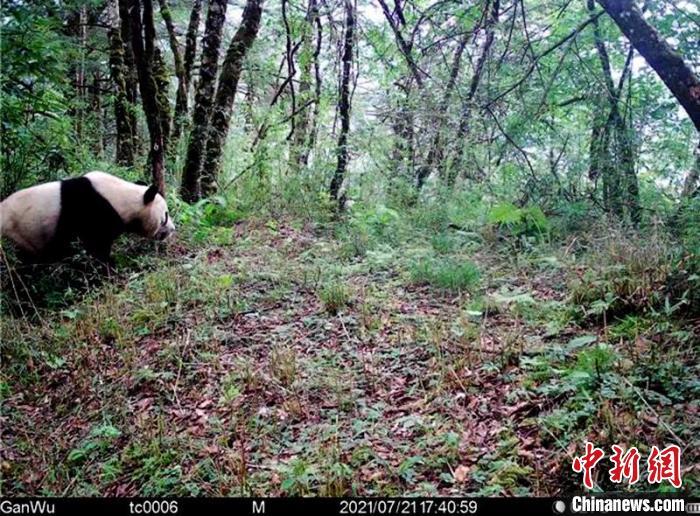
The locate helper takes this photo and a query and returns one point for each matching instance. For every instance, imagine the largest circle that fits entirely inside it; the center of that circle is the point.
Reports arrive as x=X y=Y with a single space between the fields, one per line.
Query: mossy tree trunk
x=122 y=108
x=456 y=164
x=301 y=143
x=143 y=44
x=226 y=92
x=190 y=188
x=179 y=65
x=131 y=79
x=162 y=79
x=676 y=74
x=344 y=107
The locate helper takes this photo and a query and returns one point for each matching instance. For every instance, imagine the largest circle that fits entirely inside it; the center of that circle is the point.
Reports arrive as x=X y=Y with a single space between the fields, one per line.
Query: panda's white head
x=141 y=207
x=155 y=221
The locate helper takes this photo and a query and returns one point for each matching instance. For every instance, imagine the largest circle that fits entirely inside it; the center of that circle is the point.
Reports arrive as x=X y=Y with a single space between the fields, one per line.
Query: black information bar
x=339 y=506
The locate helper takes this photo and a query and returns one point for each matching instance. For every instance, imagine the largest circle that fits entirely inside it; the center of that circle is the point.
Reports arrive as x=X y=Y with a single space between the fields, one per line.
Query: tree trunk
x=96 y=108
x=435 y=151
x=404 y=46
x=191 y=43
x=629 y=173
x=300 y=147
x=181 y=95
x=313 y=133
x=465 y=116
x=403 y=151
x=678 y=76
x=602 y=163
x=612 y=154
x=344 y=107
x=143 y=45
x=130 y=74
x=691 y=186
x=124 y=146
x=75 y=28
x=162 y=78
x=226 y=93
x=80 y=76
x=182 y=99
x=216 y=15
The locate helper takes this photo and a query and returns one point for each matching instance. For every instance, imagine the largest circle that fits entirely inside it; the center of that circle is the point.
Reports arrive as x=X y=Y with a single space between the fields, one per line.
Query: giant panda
x=96 y=208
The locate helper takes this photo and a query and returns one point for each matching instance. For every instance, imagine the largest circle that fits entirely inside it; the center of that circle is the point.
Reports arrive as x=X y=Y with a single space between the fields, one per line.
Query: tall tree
x=75 y=27
x=226 y=92
x=403 y=122
x=122 y=106
x=670 y=67
x=162 y=77
x=673 y=71
x=191 y=43
x=191 y=180
x=344 y=106
x=179 y=63
x=131 y=79
x=612 y=153
x=143 y=44
x=435 y=150
x=318 y=81
x=492 y=8
x=301 y=144
x=182 y=98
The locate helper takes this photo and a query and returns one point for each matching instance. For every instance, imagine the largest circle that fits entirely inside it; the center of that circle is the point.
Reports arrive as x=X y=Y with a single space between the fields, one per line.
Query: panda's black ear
x=150 y=194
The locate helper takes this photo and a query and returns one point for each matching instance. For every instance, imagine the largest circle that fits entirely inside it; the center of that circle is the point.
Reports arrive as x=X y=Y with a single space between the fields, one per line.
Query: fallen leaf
x=461 y=473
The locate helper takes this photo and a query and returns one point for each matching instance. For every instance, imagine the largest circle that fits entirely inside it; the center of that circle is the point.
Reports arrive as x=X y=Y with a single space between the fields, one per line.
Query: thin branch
x=546 y=52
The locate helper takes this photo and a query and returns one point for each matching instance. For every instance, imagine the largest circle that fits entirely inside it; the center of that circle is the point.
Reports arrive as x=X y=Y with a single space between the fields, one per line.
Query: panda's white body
x=96 y=208
x=29 y=217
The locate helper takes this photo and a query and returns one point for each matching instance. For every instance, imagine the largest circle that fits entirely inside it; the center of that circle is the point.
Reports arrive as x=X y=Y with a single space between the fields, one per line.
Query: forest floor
x=278 y=364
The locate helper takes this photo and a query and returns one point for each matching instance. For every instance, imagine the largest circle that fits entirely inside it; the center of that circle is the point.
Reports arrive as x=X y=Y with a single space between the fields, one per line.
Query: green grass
x=334 y=297
x=281 y=361
x=450 y=274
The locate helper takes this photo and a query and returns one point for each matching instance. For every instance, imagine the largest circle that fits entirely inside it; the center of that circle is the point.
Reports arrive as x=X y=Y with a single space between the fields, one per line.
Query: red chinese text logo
x=665 y=465
x=661 y=465
x=587 y=462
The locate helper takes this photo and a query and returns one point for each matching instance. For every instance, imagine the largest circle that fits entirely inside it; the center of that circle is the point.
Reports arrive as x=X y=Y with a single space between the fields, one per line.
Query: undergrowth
x=444 y=348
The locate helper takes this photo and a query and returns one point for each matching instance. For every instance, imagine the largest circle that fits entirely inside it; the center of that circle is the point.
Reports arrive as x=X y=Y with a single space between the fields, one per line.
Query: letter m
x=259 y=507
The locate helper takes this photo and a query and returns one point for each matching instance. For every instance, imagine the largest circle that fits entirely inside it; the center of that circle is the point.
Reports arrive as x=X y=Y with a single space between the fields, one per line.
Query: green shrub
x=624 y=273
x=334 y=296
x=686 y=277
x=442 y=243
x=529 y=221
x=205 y=219
x=378 y=219
x=447 y=274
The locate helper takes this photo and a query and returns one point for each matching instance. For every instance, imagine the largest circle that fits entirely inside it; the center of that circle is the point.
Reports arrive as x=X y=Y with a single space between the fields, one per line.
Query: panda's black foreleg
x=101 y=250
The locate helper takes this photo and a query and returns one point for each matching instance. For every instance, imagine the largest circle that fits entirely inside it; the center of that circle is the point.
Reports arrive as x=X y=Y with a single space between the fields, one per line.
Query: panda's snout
x=165 y=232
